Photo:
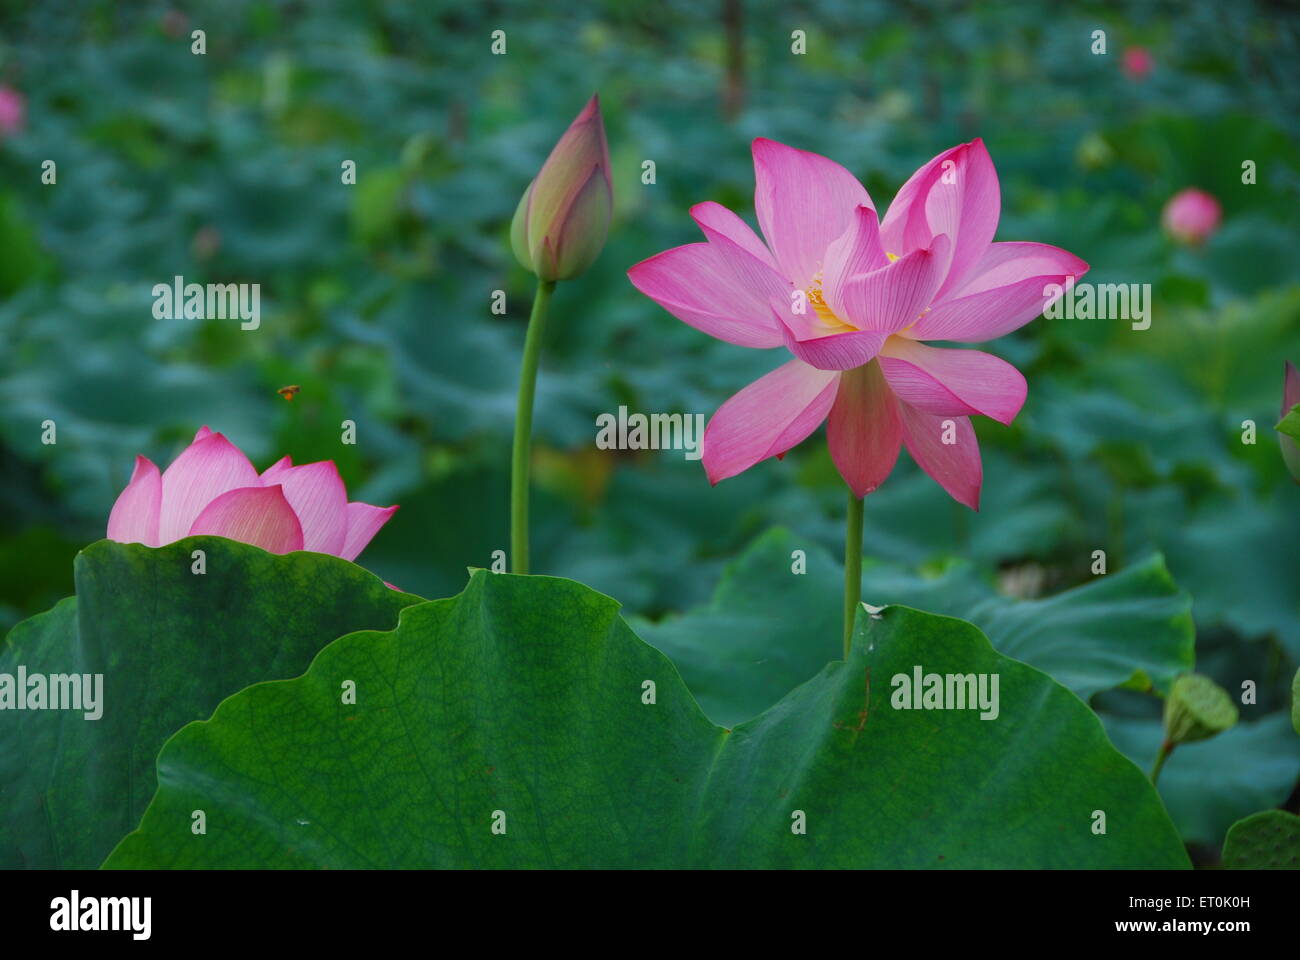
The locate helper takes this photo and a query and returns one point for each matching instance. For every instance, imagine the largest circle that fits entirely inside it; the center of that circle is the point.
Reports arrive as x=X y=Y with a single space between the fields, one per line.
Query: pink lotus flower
x=873 y=293
x=560 y=225
x=1191 y=216
x=13 y=108
x=211 y=488
x=1138 y=63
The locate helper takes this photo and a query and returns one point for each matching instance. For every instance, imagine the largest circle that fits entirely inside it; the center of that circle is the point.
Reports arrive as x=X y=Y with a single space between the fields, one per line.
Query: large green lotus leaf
x=1235 y=556
x=1129 y=628
x=1210 y=784
x=523 y=703
x=769 y=628
x=171 y=645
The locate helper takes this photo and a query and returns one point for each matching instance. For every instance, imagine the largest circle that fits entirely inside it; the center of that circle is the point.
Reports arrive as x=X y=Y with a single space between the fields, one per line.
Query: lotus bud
x=1191 y=215
x=13 y=108
x=563 y=217
x=1288 y=428
x=1197 y=709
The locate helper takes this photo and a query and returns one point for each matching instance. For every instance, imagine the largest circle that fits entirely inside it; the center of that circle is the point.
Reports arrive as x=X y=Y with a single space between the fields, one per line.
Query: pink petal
x=319 y=498
x=364 y=522
x=204 y=471
x=863 y=431
x=579 y=235
x=822 y=343
x=806 y=324
x=284 y=463
x=1007 y=289
x=767 y=418
x=749 y=276
x=836 y=351
x=957 y=194
x=717 y=221
x=134 y=518
x=203 y=433
x=695 y=284
x=257 y=515
x=956 y=467
x=856 y=251
x=952 y=383
x=804 y=202
x=893 y=297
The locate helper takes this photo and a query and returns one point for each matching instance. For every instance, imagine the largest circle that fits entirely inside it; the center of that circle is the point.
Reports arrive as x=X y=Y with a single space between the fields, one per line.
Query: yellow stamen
x=824 y=313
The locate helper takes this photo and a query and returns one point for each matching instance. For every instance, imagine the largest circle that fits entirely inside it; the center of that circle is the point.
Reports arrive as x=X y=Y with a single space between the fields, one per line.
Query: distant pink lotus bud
x=1290 y=397
x=562 y=219
x=212 y=489
x=173 y=23
x=1191 y=215
x=13 y=110
x=1138 y=62
x=206 y=242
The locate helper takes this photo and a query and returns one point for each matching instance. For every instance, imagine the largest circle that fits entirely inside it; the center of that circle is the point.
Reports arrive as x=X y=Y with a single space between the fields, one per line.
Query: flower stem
x=1166 y=748
x=524 y=429
x=852 y=569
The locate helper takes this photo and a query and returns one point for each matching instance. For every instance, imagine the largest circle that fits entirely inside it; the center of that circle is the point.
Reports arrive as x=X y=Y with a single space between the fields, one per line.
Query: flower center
x=818 y=303
x=825 y=314
x=826 y=317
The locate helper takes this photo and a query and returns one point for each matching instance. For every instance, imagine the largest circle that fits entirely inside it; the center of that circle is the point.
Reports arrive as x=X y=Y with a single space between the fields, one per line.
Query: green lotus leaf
x=523 y=724
x=769 y=627
x=170 y=645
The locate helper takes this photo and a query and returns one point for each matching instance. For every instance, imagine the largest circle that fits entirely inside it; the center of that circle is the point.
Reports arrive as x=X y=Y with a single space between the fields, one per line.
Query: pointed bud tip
x=1290 y=388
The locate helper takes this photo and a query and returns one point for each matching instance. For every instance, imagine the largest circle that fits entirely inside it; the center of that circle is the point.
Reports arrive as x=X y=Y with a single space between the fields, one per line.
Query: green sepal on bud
x=1197 y=709
x=560 y=225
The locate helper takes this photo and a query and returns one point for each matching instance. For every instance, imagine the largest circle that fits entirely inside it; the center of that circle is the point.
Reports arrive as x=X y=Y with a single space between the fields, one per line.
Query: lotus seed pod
x=1197 y=709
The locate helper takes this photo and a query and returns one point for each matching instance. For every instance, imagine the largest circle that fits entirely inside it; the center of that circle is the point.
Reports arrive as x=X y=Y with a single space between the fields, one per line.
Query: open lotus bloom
x=855 y=300
x=211 y=488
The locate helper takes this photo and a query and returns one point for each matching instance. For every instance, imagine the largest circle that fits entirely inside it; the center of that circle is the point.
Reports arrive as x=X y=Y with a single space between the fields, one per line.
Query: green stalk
x=1166 y=748
x=523 y=447
x=852 y=569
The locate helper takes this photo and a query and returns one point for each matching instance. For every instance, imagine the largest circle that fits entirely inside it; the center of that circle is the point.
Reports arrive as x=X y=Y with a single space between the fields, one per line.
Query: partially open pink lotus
x=854 y=299
x=211 y=488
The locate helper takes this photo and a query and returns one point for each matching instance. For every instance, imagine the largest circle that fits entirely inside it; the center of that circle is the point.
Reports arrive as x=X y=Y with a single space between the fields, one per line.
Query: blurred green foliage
x=376 y=297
